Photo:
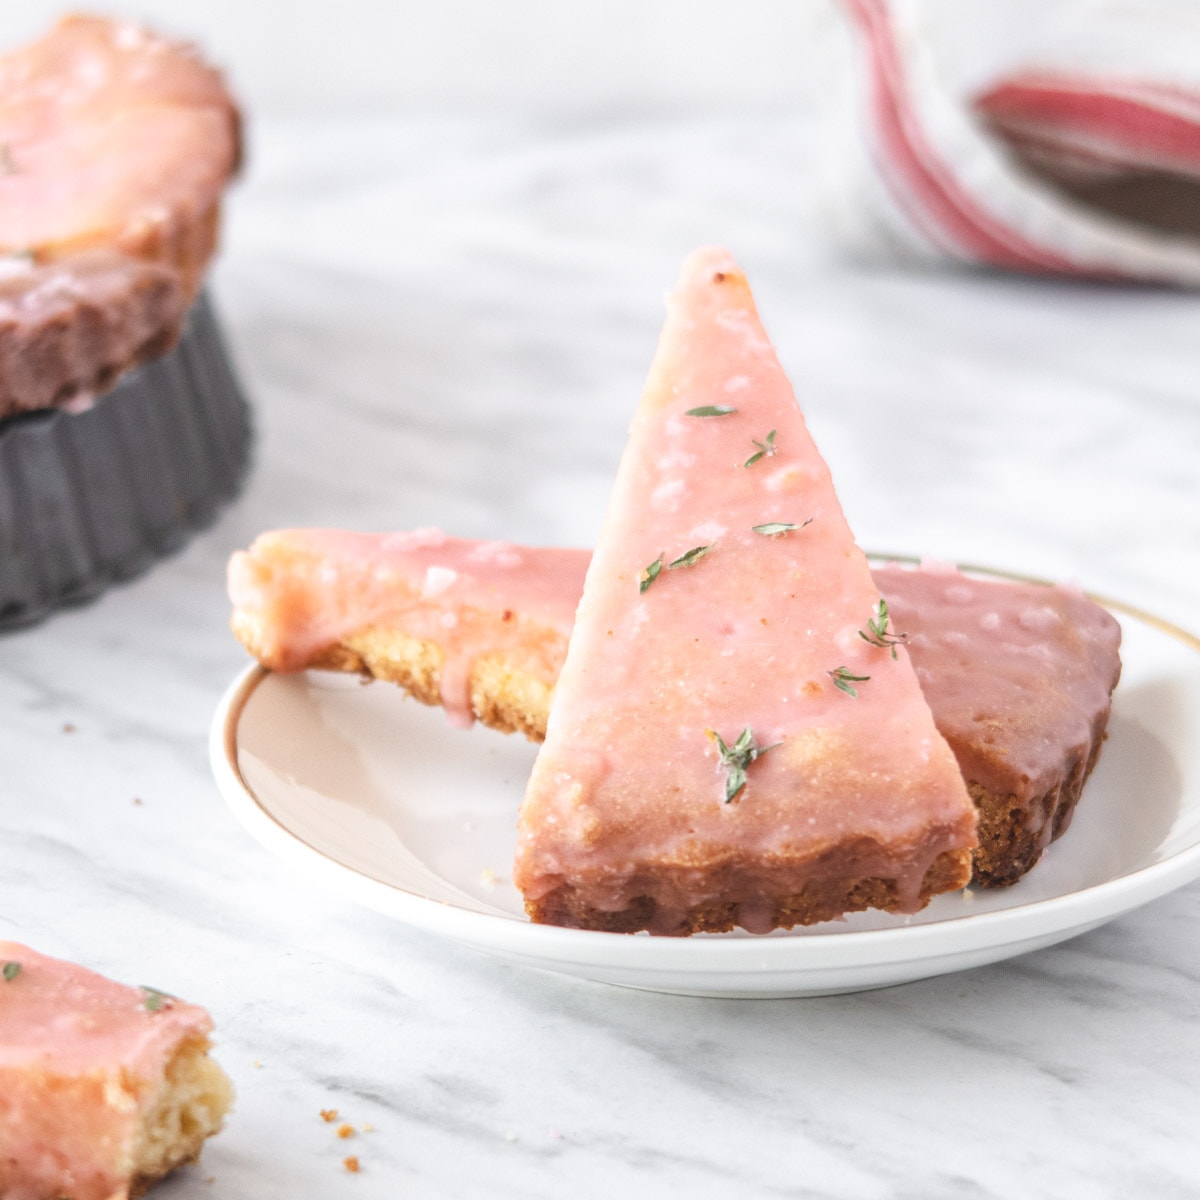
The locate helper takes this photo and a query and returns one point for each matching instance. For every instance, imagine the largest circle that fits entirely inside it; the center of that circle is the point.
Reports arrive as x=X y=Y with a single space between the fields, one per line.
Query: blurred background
x=587 y=56
x=449 y=246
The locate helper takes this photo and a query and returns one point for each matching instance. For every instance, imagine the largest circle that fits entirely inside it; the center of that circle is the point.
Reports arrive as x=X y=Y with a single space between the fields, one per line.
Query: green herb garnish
x=877 y=632
x=655 y=569
x=11 y=970
x=766 y=449
x=842 y=679
x=775 y=528
x=650 y=574
x=736 y=758
x=153 y=1000
x=694 y=555
x=710 y=410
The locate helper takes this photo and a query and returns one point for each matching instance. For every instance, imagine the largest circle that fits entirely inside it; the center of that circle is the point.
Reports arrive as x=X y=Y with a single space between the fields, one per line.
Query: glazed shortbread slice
x=1019 y=677
x=723 y=747
x=104 y=1088
x=478 y=627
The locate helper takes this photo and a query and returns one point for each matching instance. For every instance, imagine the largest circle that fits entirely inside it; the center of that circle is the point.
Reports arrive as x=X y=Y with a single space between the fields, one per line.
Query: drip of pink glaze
x=455 y=687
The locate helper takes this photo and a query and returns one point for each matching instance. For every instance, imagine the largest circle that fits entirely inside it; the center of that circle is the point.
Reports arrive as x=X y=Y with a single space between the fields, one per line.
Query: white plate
x=377 y=797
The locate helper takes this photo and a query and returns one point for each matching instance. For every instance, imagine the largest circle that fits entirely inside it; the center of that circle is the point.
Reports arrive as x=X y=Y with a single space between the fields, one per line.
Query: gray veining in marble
x=447 y=322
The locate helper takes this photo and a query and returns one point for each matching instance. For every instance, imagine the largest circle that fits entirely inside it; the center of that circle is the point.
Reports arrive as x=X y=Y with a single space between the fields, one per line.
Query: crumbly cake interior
x=190 y=1104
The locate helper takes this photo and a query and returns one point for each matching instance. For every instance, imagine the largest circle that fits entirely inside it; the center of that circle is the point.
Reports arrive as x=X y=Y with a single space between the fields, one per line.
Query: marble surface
x=447 y=322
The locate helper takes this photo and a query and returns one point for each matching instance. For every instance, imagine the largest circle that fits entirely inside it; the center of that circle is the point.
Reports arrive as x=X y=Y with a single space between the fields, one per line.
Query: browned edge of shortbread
x=502 y=696
x=1013 y=832
x=818 y=900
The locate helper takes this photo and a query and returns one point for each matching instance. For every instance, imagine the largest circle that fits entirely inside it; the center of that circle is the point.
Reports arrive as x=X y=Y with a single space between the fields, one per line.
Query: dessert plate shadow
x=371 y=794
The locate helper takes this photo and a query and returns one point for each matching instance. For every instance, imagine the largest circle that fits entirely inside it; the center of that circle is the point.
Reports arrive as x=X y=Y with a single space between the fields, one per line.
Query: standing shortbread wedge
x=735 y=739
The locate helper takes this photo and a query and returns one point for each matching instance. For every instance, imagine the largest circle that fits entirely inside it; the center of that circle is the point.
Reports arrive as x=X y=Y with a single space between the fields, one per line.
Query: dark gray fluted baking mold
x=89 y=498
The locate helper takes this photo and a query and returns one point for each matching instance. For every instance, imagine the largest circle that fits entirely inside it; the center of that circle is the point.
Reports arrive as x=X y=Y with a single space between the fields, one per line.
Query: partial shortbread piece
x=104 y=1088
x=478 y=627
x=1020 y=679
x=723 y=747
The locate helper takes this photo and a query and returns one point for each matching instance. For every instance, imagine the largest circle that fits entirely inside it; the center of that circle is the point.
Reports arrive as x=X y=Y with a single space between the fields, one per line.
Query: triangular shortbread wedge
x=725 y=745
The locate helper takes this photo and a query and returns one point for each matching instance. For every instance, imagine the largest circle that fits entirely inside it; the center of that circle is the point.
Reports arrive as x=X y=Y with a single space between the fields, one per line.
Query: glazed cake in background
x=116 y=145
x=104 y=1088
x=114 y=139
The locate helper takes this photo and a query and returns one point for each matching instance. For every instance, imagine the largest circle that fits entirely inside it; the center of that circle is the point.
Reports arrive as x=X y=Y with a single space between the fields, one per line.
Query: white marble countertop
x=447 y=322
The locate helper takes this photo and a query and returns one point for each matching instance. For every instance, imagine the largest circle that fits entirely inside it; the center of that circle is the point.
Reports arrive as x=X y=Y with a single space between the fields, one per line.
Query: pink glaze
x=628 y=782
x=302 y=591
x=113 y=137
x=79 y=1058
x=1017 y=674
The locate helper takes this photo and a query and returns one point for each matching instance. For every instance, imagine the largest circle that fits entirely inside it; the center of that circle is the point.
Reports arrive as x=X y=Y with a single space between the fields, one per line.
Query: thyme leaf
x=153 y=1000
x=11 y=970
x=655 y=569
x=775 y=528
x=842 y=680
x=710 y=410
x=766 y=449
x=694 y=555
x=736 y=758
x=877 y=632
x=649 y=575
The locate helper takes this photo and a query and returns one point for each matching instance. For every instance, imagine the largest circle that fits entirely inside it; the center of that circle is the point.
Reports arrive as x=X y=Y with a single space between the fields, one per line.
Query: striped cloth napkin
x=1059 y=137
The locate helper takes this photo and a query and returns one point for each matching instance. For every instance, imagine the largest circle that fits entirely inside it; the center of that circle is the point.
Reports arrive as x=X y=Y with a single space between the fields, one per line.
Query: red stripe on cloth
x=1136 y=118
x=929 y=181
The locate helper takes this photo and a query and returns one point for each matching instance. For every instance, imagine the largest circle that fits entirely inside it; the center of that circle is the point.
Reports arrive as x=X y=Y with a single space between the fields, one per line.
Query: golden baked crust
x=503 y=695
